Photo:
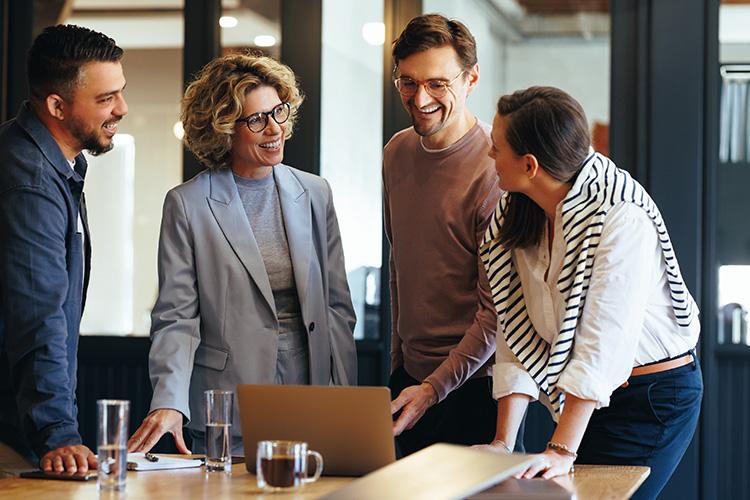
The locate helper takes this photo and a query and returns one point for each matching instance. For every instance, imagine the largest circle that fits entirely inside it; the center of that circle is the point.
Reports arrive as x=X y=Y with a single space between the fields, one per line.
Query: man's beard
x=95 y=148
x=423 y=130
x=89 y=139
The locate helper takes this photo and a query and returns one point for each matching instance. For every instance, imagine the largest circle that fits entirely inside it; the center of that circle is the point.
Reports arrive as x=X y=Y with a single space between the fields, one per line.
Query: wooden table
x=588 y=482
x=606 y=482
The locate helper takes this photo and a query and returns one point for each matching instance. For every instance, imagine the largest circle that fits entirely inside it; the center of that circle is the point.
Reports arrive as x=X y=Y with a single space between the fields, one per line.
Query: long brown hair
x=549 y=124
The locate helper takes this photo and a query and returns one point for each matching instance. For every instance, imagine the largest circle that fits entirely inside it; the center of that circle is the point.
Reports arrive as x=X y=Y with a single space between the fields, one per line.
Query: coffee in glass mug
x=282 y=465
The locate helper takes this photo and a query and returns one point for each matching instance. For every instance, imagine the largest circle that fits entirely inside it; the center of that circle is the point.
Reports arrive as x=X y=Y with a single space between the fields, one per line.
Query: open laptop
x=439 y=472
x=350 y=426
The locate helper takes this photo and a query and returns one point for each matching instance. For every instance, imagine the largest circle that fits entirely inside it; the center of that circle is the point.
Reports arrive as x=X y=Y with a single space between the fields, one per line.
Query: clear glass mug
x=282 y=465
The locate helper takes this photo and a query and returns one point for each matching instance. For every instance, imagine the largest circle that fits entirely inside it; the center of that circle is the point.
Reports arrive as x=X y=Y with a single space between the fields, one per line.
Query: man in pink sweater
x=440 y=190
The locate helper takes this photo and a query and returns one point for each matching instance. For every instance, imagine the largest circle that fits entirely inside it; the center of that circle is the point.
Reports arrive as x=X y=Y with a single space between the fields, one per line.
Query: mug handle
x=318 y=467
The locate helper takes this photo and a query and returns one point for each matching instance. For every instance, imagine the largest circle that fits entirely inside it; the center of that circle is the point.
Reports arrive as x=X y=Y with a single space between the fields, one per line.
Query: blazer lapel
x=227 y=208
x=297 y=214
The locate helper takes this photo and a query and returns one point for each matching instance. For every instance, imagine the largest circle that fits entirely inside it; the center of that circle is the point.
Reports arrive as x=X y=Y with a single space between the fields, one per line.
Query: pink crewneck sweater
x=437 y=205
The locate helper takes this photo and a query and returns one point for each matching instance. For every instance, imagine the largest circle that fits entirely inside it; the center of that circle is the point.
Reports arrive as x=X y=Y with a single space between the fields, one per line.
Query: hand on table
x=413 y=403
x=551 y=465
x=154 y=426
x=73 y=459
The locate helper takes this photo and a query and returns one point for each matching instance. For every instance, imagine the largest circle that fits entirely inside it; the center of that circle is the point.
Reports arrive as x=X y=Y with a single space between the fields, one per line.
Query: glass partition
x=125 y=188
x=733 y=175
x=352 y=142
x=252 y=25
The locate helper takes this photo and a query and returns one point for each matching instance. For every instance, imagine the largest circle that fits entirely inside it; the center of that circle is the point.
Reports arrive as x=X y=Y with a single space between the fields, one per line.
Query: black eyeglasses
x=436 y=87
x=257 y=122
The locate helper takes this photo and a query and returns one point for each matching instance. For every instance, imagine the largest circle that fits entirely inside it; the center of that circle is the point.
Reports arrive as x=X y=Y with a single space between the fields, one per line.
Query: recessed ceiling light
x=228 y=21
x=264 y=41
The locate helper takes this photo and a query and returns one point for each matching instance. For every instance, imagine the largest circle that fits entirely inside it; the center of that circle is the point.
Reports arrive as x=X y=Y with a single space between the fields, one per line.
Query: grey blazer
x=214 y=324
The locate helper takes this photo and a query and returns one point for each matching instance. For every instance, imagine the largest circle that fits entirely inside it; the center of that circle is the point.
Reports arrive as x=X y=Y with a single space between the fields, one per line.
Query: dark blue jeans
x=650 y=422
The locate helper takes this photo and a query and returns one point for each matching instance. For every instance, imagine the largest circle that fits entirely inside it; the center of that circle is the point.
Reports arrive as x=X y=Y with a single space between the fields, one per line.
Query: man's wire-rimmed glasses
x=436 y=87
x=257 y=122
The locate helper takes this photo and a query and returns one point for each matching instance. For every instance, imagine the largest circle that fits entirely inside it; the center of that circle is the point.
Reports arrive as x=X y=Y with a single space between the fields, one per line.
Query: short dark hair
x=55 y=58
x=430 y=31
x=551 y=125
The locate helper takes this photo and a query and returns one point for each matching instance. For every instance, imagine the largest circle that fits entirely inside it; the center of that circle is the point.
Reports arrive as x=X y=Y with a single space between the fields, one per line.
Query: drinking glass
x=219 y=430
x=112 y=438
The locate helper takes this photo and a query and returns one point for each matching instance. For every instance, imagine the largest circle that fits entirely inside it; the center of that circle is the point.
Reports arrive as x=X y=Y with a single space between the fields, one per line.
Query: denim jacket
x=43 y=280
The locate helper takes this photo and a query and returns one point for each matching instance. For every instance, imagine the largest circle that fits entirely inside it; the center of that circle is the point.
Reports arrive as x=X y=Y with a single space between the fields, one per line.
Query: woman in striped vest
x=594 y=318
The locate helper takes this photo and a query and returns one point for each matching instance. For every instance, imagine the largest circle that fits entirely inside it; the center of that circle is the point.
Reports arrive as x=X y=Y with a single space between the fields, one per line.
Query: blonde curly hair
x=213 y=102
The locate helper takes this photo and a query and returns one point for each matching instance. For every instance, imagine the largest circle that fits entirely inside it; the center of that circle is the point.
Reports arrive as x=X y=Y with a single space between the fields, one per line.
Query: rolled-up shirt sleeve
x=609 y=330
x=508 y=375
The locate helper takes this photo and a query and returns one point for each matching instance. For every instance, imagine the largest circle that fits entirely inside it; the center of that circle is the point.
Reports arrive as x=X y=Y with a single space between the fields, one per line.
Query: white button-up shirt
x=627 y=319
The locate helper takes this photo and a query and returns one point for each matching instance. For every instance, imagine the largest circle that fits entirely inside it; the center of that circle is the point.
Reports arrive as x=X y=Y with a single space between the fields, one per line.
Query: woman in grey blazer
x=252 y=284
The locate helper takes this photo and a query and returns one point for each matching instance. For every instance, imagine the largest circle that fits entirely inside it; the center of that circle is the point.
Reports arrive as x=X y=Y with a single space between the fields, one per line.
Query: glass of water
x=112 y=438
x=219 y=430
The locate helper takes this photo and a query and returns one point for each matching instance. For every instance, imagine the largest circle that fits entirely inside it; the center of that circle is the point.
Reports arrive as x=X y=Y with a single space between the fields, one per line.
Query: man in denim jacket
x=75 y=81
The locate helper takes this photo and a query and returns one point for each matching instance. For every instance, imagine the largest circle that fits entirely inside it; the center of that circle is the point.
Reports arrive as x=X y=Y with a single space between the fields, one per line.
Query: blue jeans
x=650 y=422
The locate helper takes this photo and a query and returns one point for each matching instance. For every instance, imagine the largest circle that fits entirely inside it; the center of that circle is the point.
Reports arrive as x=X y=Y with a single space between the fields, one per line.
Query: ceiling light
x=227 y=21
x=374 y=33
x=264 y=41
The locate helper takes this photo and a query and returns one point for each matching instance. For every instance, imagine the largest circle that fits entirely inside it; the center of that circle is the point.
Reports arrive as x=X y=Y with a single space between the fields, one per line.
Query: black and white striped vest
x=600 y=186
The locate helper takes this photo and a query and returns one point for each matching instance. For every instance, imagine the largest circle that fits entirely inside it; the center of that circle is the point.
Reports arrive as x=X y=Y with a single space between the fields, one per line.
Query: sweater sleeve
x=397 y=356
x=478 y=343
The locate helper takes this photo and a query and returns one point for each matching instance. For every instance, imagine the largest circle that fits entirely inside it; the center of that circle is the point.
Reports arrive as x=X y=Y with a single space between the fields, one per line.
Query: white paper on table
x=137 y=461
